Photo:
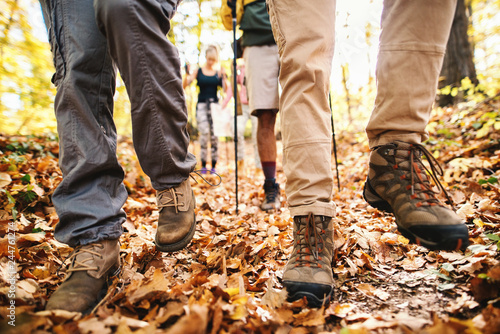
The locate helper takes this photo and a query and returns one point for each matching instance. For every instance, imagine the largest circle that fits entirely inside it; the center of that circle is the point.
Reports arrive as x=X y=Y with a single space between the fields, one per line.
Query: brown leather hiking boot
x=272 y=200
x=177 y=220
x=398 y=183
x=86 y=284
x=308 y=273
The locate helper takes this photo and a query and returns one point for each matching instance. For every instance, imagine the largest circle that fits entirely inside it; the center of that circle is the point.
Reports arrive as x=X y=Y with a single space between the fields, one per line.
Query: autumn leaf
x=229 y=278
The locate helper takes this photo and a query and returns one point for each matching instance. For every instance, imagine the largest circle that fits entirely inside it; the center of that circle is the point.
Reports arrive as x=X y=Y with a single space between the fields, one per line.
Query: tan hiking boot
x=398 y=183
x=308 y=273
x=177 y=220
x=272 y=200
x=91 y=266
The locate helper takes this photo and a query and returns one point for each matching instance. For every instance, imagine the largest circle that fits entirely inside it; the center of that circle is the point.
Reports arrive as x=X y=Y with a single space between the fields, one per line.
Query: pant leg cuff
x=412 y=138
x=318 y=208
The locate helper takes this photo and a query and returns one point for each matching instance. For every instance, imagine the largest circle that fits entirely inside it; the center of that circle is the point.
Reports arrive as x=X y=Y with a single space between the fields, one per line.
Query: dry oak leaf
x=339 y=310
x=373 y=324
x=491 y=316
x=452 y=326
x=5 y=179
x=309 y=317
x=157 y=283
x=195 y=321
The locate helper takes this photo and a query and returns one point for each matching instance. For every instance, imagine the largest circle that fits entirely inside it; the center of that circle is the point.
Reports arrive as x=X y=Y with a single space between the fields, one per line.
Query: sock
x=214 y=162
x=203 y=164
x=269 y=169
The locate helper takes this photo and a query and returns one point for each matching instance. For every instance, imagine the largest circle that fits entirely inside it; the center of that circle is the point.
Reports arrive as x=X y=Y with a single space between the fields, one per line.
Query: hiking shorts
x=262 y=70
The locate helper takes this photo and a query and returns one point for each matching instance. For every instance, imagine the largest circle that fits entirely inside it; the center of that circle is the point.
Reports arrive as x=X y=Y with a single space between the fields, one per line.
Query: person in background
x=243 y=119
x=209 y=78
x=89 y=40
x=411 y=50
x=260 y=53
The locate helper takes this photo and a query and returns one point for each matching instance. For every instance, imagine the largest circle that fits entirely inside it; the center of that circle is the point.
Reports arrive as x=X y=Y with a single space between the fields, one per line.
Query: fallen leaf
x=5 y=179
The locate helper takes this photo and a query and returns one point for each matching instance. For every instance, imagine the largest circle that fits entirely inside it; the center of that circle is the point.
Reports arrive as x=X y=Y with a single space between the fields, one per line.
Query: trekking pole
x=235 y=96
x=334 y=141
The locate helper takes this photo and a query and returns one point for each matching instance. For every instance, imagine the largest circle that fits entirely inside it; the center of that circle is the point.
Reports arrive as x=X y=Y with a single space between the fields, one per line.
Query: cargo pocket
x=278 y=36
x=55 y=34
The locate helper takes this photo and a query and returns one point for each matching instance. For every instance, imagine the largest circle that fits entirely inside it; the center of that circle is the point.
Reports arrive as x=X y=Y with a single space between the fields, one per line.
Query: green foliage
x=12 y=203
x=446 y=132
x=488 y=122
x=491 y=180
x=26 y=94
x=467 y=89
x=495 y=238
x=29 y=195
x=19 y=148
x=13 y=160
x=26 y=179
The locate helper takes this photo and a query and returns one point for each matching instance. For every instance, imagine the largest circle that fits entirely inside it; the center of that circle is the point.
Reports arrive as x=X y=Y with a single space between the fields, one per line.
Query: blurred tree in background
x=473 y=40
x=458 y=62
x=27 y=94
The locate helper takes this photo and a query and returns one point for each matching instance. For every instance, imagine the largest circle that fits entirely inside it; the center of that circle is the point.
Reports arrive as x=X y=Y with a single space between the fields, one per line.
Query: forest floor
x=228 y=280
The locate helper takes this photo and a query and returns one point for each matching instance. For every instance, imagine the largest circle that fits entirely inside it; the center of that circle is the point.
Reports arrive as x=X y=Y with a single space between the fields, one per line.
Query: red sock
x=269 y=169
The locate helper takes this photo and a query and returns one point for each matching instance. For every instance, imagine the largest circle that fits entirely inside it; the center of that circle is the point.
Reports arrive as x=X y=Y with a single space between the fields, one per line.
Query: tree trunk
x=458 y=60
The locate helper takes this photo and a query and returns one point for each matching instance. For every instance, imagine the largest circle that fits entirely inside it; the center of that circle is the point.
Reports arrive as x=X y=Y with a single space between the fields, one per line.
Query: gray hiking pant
x=88 y=39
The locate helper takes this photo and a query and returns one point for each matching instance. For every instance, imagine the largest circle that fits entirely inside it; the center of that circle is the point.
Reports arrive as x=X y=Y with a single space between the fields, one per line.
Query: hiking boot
x=86 y=284
x=272 y=200
x=308 y=273
x=177 y=220
x=398 y=182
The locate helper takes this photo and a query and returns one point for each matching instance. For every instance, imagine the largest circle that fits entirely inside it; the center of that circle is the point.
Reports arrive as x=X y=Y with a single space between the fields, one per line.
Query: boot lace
x=170 y=197
x=418 y=176
x=81 y=265
x=309 y=242
x=271 y=193
x=199 y=172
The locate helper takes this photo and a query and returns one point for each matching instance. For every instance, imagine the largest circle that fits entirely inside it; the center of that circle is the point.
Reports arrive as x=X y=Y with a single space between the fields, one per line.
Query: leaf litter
x=228 y=280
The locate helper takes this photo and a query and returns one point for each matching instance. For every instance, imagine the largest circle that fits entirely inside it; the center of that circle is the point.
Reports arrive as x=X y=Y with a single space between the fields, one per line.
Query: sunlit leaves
x=26 y=93
x=229 y=277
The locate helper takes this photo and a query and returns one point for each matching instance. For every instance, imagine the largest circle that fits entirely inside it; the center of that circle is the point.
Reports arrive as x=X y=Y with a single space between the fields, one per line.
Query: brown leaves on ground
x=228 y=280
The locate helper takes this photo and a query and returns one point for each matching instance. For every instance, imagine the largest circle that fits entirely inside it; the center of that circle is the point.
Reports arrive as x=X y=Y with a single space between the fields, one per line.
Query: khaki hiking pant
x=412 y=46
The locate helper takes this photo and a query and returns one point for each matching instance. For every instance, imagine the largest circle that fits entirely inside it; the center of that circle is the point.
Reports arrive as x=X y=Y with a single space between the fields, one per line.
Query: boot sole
x=181 y=244
x=312 y=299
x=273 y=208
x=457 y=236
